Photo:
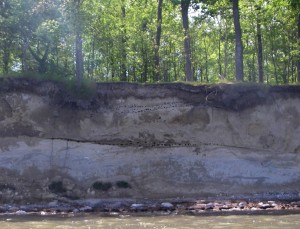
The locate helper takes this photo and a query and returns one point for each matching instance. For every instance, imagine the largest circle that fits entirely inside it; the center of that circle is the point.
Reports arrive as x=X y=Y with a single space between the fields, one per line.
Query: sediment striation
x=121 y=140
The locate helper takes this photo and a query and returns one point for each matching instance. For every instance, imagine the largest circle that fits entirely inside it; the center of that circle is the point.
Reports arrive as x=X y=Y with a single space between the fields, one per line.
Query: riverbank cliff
x=164 y=141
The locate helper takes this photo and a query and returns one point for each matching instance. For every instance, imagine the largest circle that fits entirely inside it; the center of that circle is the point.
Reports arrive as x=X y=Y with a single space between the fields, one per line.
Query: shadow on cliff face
x=235 y=97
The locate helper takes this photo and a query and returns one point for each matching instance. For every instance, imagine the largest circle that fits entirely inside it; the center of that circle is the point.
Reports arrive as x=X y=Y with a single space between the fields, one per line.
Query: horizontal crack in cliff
x=145 y=144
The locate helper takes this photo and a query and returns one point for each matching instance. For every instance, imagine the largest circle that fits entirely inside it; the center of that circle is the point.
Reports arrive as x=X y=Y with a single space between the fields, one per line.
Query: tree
x=296 y=7
x=78 y=42
x=7 y=32
x=298 y=63
x=151 y=40
x=73 y=15
x=157 y=40
x=239 y=68
x=185 y=4
x=259 y=46
x=123 y=43
x=184 y=10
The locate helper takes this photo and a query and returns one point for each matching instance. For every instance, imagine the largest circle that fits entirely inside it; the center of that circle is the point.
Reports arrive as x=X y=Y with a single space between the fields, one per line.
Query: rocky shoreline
x=130 y=207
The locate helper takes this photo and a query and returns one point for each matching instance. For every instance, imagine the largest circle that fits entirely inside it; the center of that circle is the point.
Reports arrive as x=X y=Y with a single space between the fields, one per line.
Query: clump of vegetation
x=5 y=187
x=123 y=184
x=57 y=187
x=86 y=90
x=102 y=186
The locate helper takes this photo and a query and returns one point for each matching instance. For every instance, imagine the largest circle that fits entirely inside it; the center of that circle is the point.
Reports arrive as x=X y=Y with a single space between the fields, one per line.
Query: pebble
x=210 y=206
x=167 y=206
x=264 y=206
x=242 y=204
x=21 y=212
x=225 y=207
x=138 y=207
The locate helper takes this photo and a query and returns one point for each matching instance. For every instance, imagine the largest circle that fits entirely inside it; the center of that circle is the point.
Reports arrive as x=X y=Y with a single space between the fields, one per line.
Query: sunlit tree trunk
x=187 y=40
x=239 y=68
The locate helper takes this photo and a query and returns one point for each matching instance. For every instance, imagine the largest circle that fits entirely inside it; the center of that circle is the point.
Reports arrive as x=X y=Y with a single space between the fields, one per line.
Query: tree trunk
x=174 y=61
x=144 y=73
x=206 y=61
x=225 y=51
x=24 y=55
x=187 y=40
x=239 y=69
x=259 y=52
x=6 y=57
x=93 y=58
x=219 y=56
x=298 y=63
x=123 y=43
x=273 y=53
x=145 y=66
x=42 y=61
x=79 y=59
x=157 y=40
x=219 y=48
x=78 y=45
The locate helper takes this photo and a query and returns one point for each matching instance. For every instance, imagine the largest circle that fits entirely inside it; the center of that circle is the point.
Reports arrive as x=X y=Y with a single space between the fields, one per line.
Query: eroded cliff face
x=147 y=141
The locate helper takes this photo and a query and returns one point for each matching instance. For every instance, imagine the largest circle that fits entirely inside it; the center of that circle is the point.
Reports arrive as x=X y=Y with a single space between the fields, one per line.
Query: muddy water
x=166 y=222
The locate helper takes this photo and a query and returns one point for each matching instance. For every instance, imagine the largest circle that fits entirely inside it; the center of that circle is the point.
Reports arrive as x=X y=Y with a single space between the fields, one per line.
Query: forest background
x=148 y=41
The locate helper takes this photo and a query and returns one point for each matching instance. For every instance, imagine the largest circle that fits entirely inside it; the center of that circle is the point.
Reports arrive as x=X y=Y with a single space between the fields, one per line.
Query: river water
x=158 y=222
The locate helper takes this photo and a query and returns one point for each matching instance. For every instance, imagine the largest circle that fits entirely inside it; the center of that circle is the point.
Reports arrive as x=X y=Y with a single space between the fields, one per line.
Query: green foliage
x=102 y=186
x=119 y=40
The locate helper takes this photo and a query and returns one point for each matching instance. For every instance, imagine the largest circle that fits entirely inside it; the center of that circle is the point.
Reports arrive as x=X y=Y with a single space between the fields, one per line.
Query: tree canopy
x=150 y=40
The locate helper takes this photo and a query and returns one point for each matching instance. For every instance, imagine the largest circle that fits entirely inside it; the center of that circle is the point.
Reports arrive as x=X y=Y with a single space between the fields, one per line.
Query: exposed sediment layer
x=160 y=141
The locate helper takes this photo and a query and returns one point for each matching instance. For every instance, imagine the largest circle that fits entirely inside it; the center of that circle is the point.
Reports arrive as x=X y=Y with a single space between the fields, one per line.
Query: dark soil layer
x=236 y=97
